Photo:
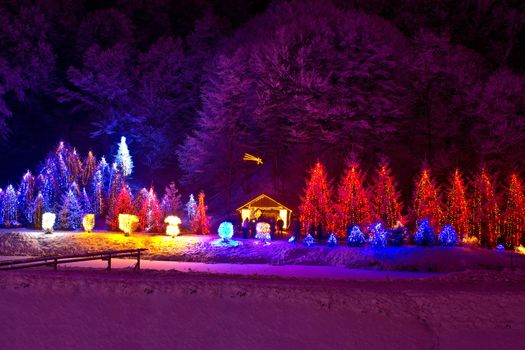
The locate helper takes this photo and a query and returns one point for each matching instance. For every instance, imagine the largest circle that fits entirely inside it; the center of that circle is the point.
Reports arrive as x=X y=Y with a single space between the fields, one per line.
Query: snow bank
x=201 y=249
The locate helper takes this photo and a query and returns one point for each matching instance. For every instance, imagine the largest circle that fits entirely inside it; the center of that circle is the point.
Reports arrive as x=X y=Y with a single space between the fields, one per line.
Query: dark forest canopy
x=195 y=84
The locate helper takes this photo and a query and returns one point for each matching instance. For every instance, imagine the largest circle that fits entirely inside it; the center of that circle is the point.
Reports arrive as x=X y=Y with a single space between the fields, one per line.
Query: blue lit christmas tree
x=9 y=207
x=105 y=172
x=355 y=238
x=424 y=234
x=332 y=240
x=48 y=192
x=308 y=240
x=378 y=236
x=25 y=198
x=86 y=202
x=70 y=217
x=448 y=236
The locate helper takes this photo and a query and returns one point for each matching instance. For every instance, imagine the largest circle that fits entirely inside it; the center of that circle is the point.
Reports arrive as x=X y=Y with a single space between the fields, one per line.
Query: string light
x=427 y=200
x=316 y=205
x=514 y=215
x=385 y=198
x=458 y=207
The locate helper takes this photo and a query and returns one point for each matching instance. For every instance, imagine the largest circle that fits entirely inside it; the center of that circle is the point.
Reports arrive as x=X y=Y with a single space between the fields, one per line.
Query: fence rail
x=54 y=261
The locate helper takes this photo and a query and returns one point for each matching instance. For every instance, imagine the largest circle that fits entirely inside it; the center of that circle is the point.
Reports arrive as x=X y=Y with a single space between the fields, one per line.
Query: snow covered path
x=294 y=271
x=290 y=271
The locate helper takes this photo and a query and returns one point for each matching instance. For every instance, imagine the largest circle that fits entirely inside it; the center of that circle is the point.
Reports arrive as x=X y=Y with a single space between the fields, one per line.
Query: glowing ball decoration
x=263 y=231
x=127 y=223
x=48 y=221
x=88 y=222
x=173 y=225
x=225 y=230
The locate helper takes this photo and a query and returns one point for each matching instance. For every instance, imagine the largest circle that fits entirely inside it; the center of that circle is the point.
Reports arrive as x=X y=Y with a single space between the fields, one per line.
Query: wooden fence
x=54 y=261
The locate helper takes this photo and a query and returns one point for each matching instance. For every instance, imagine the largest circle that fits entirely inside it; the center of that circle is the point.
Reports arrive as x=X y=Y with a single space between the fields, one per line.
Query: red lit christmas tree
x=201 y=222
x=485 y=210
x=316 y=204
x=386 y=199
x=121 y=205
x=457 y=212
x=353 y=199
x=150 y=216
x=427 y=200
x=514 y=215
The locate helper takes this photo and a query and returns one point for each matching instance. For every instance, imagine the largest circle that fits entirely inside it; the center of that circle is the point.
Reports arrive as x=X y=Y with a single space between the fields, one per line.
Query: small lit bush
x=425 y=233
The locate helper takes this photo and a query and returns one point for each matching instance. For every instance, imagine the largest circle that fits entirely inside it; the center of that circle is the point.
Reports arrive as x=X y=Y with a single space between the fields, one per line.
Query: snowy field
x=72 y=309
x=281 y=296
x=200 y=249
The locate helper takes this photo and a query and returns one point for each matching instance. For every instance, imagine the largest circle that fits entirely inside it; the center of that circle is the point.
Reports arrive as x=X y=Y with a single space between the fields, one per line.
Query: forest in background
x=193 y=85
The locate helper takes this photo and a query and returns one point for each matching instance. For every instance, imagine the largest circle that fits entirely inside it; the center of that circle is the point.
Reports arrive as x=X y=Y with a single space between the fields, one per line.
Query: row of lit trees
x=72 y=187
x=474 y=209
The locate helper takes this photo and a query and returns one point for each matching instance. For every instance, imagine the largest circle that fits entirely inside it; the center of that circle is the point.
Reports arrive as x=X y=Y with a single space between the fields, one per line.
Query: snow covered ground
x=253 y=296
x=94 y=309
x=200 y=249
x=290 y=271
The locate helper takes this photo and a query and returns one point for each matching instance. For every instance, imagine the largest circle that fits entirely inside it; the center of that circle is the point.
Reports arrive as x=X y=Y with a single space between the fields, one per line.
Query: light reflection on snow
x=225 y=243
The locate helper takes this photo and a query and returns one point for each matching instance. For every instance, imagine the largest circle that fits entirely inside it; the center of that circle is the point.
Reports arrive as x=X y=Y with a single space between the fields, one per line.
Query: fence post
x=109 y=262
x=55 y=266
x=138 y=260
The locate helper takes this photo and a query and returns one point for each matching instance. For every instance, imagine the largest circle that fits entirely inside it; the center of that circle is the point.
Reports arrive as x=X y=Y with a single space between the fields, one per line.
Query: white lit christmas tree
x=123 y=158
x=191 y=208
